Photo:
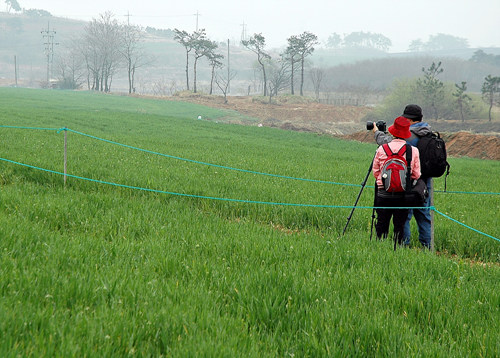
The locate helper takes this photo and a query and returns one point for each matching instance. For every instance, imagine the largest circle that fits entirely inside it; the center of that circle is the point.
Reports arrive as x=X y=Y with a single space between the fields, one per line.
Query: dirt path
x=291 y=113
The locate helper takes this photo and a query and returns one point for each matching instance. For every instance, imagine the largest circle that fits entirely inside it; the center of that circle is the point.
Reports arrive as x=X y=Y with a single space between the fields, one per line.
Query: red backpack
x=396 y=169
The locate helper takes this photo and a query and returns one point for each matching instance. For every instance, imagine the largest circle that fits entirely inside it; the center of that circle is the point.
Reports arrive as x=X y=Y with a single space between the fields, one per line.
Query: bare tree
x=101 y=45
x=133 y=54
x=317 y=75
x=256 y=44
x=160 y=87
x=223 y=80
x=279 y=76
x=71 y=69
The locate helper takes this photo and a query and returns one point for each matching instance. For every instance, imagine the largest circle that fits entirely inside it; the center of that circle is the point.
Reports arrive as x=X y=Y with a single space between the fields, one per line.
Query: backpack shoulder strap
x=402 y=150
x=387 y=149
x=408 y=153
x=406 y=148
x=408 y=162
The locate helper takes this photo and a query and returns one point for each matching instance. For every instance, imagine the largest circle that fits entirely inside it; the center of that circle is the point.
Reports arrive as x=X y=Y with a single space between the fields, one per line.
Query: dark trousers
x=384 y=216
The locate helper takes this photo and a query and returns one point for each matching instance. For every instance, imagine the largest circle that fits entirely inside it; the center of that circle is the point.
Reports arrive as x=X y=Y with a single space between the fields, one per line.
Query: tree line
x=440 y=100
x=107 y=46
x=276 y=73
x=359 y=39
x=432 y=91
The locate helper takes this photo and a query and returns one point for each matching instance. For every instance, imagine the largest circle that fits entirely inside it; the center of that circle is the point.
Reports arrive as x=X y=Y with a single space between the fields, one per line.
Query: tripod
x=363 y=184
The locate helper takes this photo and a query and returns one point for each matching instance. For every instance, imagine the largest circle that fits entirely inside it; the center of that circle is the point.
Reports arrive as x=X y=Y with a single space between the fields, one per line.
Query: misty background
x=39 y=49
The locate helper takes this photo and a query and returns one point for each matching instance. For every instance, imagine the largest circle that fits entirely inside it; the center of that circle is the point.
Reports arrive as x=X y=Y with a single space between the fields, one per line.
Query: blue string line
x=468 y=227
x=244 y=170
x=230 y=168
x=201 y=196
x=18 y=127
x=465 y=192
x=209 y=164
x=454 y=192
x=59 y=130
x=241 y=200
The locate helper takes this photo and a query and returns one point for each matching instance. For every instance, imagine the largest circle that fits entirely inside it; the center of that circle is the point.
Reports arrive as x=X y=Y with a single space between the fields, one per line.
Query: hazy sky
x=400 y=20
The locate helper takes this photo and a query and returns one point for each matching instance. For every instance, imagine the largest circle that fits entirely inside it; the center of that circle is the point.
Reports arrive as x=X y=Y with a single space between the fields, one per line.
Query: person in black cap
x=422 y=216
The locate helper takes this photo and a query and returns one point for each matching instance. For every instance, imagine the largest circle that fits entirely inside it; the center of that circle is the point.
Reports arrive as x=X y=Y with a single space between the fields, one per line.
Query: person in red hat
x=400 y=131
x=418 y=128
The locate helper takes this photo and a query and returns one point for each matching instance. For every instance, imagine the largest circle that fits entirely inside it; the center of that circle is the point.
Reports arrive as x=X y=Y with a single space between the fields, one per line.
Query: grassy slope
x=98 y=270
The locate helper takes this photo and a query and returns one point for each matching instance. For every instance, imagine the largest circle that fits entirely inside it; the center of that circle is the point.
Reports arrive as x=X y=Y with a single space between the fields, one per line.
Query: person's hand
x=375 y=128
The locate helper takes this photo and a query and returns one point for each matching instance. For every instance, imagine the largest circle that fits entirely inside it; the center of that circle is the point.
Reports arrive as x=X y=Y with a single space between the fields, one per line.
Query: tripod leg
x=359 y=195
x=371 y=228
x=373 y=210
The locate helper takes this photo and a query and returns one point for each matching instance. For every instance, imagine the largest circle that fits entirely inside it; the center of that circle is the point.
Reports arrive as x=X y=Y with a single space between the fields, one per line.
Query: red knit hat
x=400 y=128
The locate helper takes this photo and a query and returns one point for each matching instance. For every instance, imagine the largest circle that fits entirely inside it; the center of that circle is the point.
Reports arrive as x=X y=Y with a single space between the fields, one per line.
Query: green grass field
x=93 y=269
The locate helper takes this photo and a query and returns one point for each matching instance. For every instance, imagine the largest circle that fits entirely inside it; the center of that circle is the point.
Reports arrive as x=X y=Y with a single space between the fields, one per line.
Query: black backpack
x=432 y=151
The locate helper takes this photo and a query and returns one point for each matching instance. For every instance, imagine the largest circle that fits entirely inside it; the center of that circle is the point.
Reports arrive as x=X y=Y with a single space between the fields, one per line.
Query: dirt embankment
x=460 y=144
x=477 y=139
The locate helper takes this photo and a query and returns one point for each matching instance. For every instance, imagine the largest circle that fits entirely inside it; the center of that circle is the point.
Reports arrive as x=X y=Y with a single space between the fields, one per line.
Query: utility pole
x=49 y=43
x=243 y=31
x=15 y=68
x=128 y=18
x=228 y=76
x=197 y=15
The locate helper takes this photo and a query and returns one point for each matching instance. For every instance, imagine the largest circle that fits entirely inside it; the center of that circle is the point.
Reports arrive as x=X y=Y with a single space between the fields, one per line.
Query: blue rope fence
x=223 y=166
x=466 y=226
x=229 y=168
x=240 y=200
x=208 y=164
x=203 y=196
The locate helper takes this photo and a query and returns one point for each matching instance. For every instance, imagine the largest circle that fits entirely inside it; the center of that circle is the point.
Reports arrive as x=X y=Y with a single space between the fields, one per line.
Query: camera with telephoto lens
x=380 y=125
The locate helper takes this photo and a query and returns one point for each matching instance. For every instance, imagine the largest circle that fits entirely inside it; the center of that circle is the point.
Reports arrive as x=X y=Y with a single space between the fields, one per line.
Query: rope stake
x=65 y=154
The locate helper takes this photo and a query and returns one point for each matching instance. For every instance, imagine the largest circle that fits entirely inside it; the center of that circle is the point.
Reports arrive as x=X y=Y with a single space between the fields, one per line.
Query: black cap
x=413 y=111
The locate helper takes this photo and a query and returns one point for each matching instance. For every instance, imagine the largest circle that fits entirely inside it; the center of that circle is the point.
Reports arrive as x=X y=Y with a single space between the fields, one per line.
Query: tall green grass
x=99 y=270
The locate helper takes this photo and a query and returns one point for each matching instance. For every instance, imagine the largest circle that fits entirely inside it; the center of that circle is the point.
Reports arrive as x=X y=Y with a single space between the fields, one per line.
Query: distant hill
x=22 y=40
x=379 y=73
